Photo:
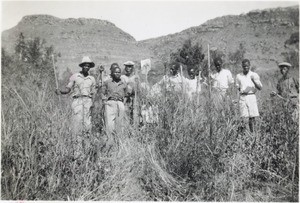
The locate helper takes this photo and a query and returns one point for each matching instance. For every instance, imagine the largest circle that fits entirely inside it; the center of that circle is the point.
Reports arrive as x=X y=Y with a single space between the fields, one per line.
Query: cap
x=128 y=63
x=286 y=64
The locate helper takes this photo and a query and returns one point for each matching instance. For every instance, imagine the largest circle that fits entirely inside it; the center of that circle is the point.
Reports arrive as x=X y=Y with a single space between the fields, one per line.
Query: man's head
x=115 y=71
x=284 y=68
x=218 y=63
x=192 y=72
x=85 y=68
x=246 y=66
x=113 y=65
x=129 y=66
x=174 y=68
x=86 y=64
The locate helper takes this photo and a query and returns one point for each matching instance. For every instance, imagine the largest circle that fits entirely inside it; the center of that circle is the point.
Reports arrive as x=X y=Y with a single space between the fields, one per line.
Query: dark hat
x=175 y=65
x=218 y=59
x=87 y=60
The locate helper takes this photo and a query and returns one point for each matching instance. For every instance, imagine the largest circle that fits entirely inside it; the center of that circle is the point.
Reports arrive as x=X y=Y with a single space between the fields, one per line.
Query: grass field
x=198 y=151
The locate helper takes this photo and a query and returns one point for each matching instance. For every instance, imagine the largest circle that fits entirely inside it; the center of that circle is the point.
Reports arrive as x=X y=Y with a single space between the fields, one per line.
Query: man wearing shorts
x=248 y=83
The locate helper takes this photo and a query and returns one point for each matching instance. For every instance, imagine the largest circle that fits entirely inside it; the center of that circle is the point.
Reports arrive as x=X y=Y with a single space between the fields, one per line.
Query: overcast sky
x=141 y=19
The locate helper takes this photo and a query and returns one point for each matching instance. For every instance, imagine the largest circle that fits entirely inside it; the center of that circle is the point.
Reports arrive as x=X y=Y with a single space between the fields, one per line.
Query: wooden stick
x=56 y=81
x=165 y=95
x=209 y=97
x=208 y=69
x=198 y=84
x=135 y=104
x=181 y=75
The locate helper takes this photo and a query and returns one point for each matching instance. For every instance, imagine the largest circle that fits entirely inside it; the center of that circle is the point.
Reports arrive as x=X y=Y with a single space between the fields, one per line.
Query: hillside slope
x=263 y=34
x=73 y=38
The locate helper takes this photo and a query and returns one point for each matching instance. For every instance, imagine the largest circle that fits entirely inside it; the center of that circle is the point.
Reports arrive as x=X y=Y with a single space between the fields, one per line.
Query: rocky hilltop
x=74 y=38
x=263 y=33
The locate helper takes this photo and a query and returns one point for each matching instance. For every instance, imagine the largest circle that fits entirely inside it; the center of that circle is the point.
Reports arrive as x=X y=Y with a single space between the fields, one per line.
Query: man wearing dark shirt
x=114 y=91
x=288 y=89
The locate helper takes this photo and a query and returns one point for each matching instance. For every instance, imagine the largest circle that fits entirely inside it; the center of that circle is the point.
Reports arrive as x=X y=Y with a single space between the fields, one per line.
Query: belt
x=115 y=99
x=80 y=96
x=244 y=94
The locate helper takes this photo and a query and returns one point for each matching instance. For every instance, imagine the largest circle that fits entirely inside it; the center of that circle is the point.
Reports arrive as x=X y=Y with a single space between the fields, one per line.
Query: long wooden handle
x=56 y=81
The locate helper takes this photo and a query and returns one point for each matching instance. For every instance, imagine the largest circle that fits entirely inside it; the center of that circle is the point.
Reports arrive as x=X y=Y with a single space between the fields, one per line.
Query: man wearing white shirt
x=222 y=79
x=192 y=88
x=248 y=83
x=174 y=81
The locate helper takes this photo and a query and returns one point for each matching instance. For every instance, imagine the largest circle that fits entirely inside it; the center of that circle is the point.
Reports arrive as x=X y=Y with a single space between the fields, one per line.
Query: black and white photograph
x=163 y=100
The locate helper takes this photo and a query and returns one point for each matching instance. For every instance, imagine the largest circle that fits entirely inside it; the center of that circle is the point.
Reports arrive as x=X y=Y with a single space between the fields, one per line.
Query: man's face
x=116 y=74
x=218 y=65
x=85 y=68
x=173 y=70
x=128 y=70
x=192 y=73
x=246 y=67
x=284 y=70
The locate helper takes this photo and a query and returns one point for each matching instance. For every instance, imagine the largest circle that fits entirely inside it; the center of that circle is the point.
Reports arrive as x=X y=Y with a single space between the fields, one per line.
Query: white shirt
x=129 y=80
x=82 y=85
x=245 y=83
x=222 y=80
x=191 y=86
x=172 y=82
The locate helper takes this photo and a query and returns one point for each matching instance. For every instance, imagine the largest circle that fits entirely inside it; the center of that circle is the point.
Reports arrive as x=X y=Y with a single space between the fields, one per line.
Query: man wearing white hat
x=83 y=87
x=288 y=89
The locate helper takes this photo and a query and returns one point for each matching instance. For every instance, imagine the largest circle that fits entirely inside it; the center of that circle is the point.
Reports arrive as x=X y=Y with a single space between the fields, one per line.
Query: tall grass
x=176 y=159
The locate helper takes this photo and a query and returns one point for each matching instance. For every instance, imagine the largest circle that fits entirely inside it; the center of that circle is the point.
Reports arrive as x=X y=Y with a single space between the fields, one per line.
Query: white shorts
x=248 y=106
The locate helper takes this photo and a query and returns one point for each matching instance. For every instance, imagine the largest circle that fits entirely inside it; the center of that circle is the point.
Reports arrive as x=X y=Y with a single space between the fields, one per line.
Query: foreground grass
x=196 y=152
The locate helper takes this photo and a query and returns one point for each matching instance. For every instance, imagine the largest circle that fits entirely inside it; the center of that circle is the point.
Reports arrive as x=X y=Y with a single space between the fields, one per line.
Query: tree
x=6 y=59
x=237 y=56
x=189 y=55
x=20 y=46
x=34 y=51
x=292 y=55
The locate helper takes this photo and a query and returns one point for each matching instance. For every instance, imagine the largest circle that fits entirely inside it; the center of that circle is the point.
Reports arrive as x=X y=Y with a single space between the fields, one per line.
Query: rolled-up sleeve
x=71 y=81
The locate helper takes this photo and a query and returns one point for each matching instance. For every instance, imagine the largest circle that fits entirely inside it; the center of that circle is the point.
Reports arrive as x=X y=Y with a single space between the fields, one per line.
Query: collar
x=82 y=76
x=249 y=73
x=119 y=82
x=174 y=76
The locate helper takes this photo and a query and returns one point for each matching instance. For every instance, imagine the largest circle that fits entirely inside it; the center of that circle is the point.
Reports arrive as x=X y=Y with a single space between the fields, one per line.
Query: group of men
x=117 y=91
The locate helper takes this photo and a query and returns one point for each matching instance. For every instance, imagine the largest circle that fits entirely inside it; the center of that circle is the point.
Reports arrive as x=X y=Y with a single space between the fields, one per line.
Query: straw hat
x=87 y=60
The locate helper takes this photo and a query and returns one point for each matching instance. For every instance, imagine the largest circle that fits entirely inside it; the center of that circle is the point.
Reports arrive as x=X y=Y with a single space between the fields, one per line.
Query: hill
x=73 y=38
x=262 y=33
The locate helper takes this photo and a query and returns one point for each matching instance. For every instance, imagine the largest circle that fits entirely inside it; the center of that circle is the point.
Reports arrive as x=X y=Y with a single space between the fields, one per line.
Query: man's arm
x=67 y=90
x=296 y=82
x=238 y=87
x=103 y=91
x=256 y=82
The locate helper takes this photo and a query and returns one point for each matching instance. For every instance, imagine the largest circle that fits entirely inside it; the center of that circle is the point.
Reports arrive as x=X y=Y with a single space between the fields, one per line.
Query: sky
x=141 y=19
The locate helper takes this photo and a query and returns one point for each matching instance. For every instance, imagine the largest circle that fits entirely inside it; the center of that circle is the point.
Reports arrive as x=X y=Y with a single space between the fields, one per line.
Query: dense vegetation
x=196 y=152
